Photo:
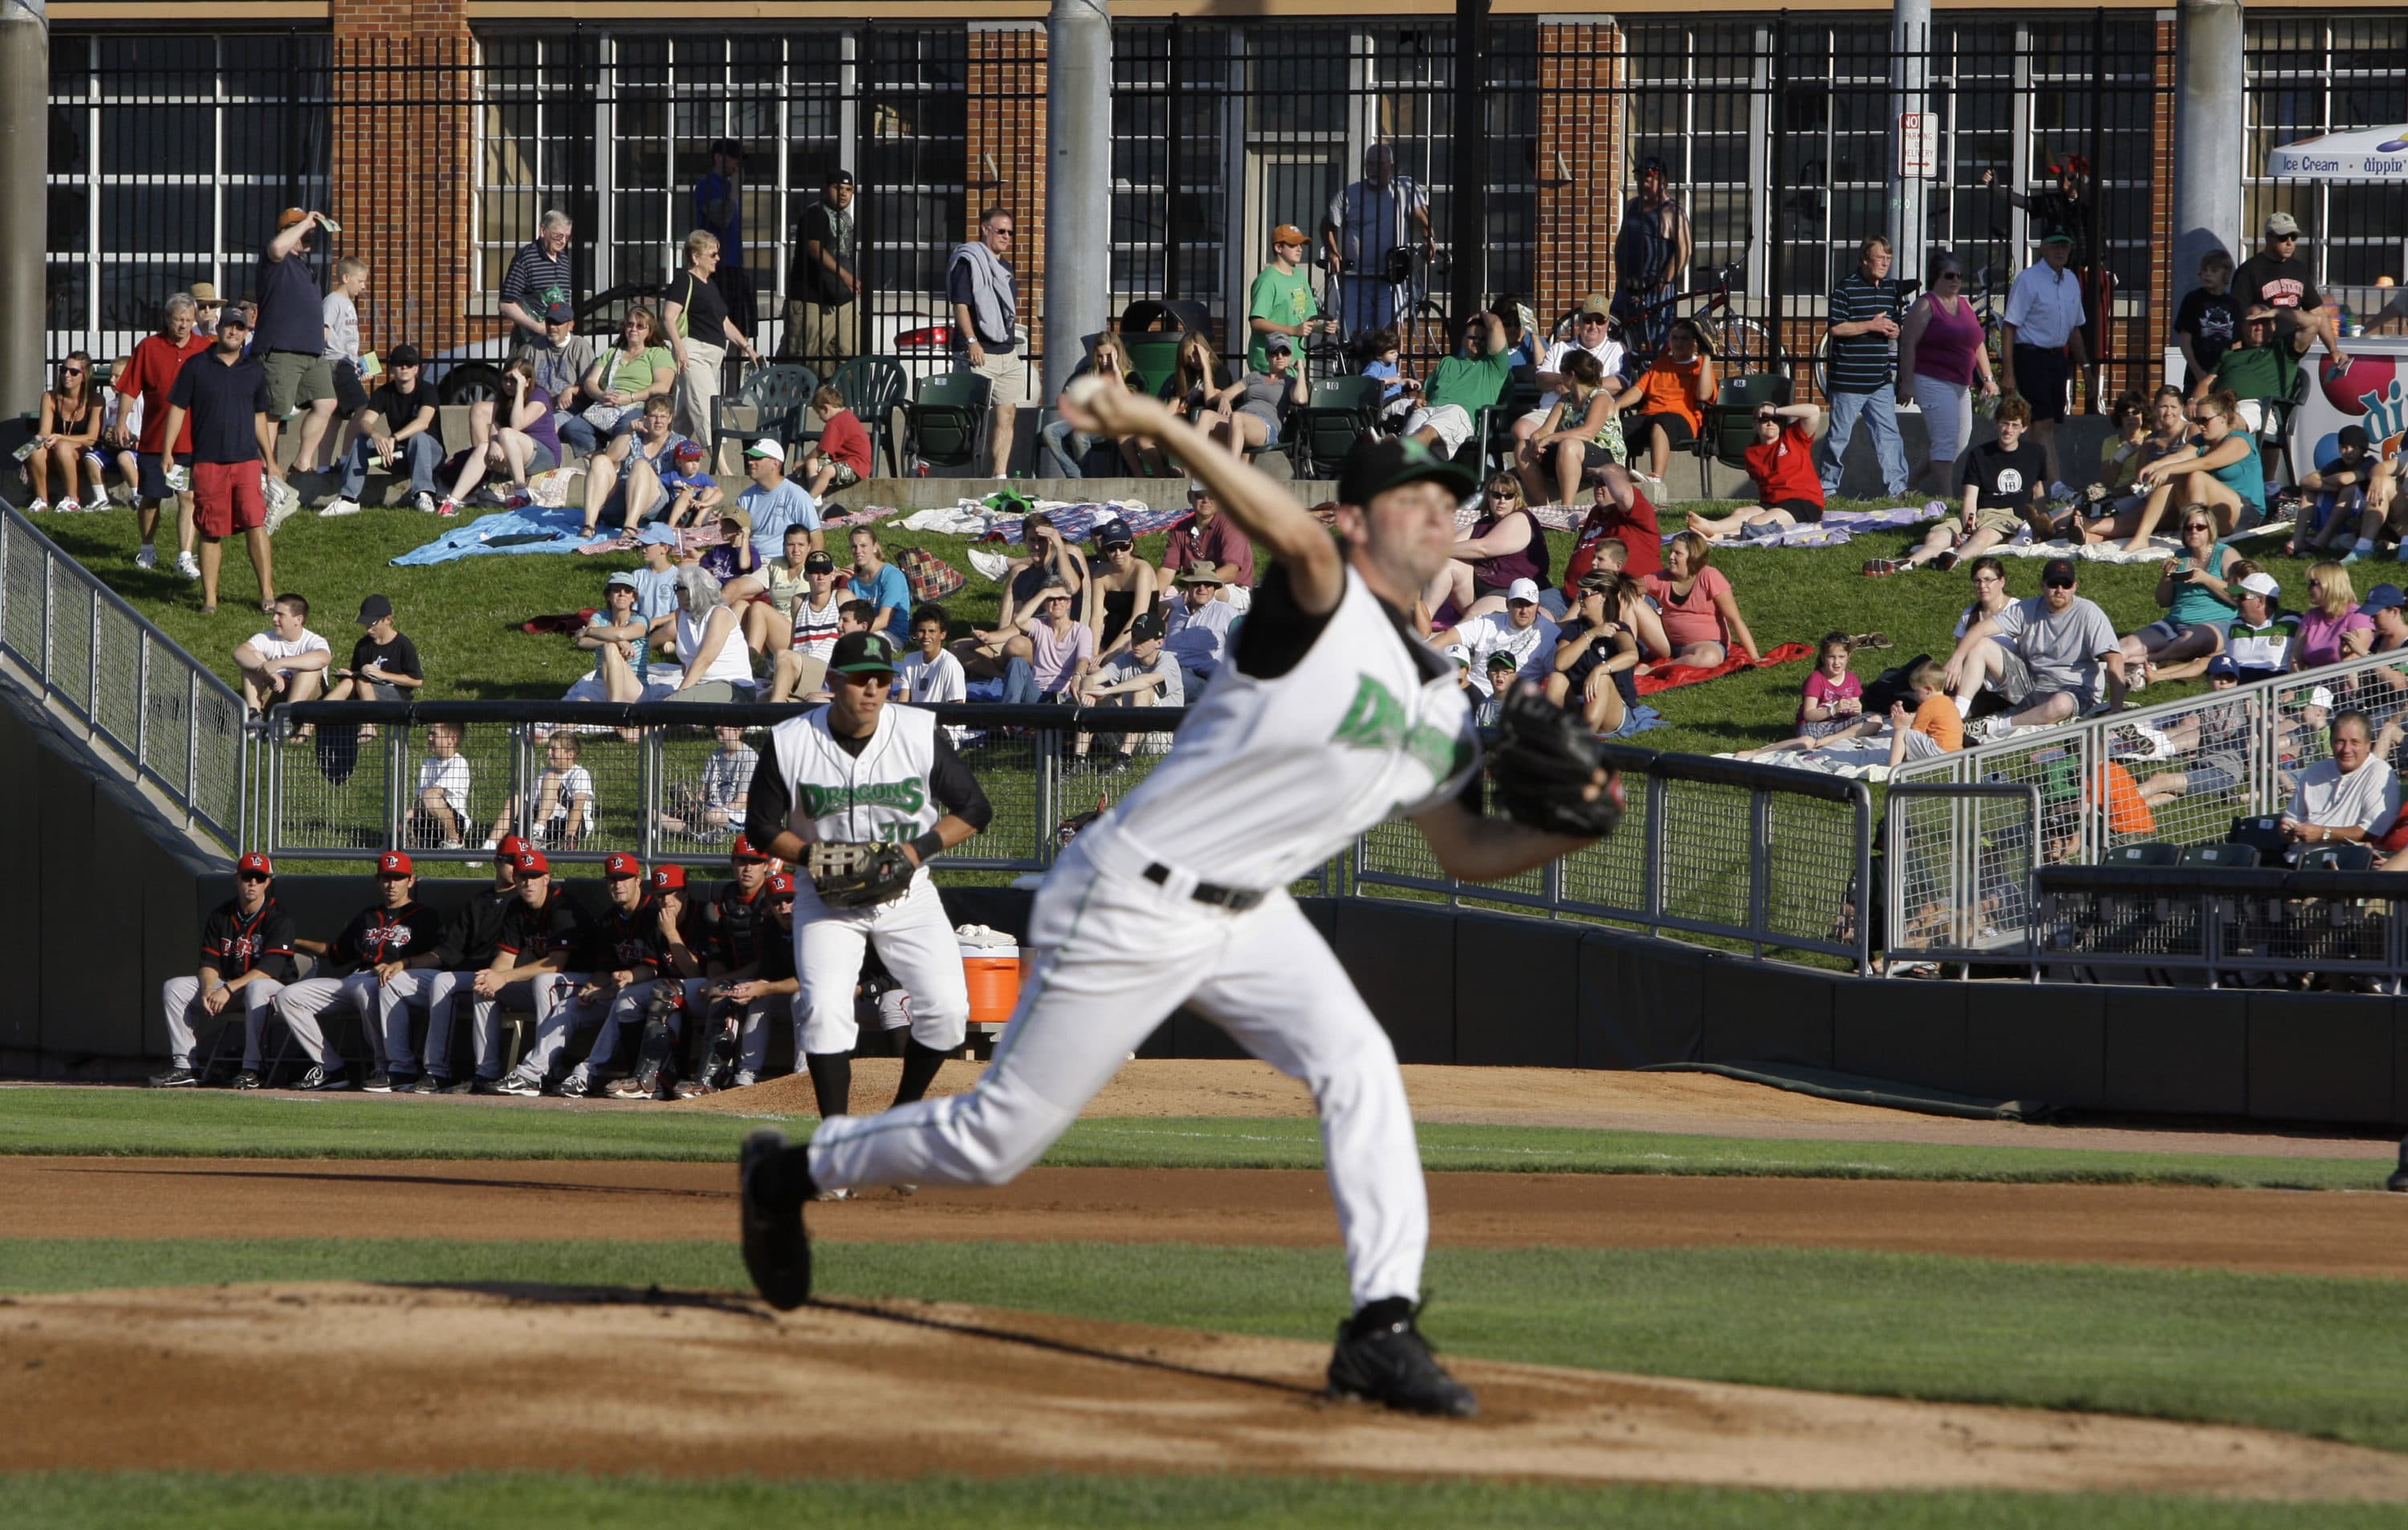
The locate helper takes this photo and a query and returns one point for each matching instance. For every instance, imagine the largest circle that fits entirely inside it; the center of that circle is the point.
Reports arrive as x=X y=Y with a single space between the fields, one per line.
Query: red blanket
x=1664 y=674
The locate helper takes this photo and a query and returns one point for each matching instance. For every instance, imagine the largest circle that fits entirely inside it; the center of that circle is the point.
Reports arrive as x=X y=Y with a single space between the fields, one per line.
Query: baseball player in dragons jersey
x=246 y=960
x=1331 y=716
x=858 y=771
x=378 y=941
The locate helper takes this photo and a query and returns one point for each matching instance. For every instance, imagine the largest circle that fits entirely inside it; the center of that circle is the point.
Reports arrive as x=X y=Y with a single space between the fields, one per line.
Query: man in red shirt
x=1622 y=512
x=1211 y=535
x=1788 y=485
x=145 y=378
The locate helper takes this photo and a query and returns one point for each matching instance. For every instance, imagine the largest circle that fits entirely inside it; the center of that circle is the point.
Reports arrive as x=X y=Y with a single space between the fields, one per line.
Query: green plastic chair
x=874 y=387
x=1731 y=420
x=1153 y=356
x=1332 y=422
x=947 y=422
x=770 y=403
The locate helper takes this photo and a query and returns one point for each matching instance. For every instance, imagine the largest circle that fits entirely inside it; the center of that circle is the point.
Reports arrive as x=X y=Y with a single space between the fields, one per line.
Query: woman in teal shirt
x=2198 y=602
x=2222 y=471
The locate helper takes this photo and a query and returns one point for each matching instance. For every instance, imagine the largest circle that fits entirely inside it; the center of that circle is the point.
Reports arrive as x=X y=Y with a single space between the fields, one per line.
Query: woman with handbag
x=638 y=367
x=700 y=333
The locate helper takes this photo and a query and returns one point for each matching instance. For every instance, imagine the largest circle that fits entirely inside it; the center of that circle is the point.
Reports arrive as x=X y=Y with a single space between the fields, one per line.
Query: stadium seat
x=770 y=403
x=2152 y=854
x=2226 y=854
x=2336 y=857
x=1332 y=422
x=948 y=420
x=2266 y=833
x=873 y=389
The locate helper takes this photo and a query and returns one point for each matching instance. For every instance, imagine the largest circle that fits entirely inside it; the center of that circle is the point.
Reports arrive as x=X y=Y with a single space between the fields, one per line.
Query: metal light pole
x=1910 y=42
x=1078 y=182
x=24 y=96
x=1468 y=228
x=2208 y=99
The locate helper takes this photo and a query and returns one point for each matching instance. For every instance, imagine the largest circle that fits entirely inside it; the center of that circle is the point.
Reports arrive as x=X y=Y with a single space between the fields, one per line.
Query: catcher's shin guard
x=656 y=1058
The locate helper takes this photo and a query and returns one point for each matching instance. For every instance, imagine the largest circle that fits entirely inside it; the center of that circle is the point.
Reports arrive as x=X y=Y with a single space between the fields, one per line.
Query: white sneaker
x=427 y=503
x=340 y=507
x=69 y=506
x=745 y=1078
x=146 y=558
x=187 y=565
x=38 y=506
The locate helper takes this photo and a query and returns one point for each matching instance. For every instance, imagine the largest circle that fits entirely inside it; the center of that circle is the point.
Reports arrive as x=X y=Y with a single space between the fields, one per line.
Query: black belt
x=1236 y=899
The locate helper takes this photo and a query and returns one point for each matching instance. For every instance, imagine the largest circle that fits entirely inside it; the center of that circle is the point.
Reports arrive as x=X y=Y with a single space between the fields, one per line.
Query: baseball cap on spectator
x=766 y=448
x=403 y=354
x=374 y=610
x=668 y=879
x=738 y=517
x=510 y=848
x=623 y=577
x=2262 y=584
x=743 y=849
x=819 y=562
x=1501 y=660
x=862 y=653
x=1146 y=629
x=2382 y=597
x=2057 y=236
x=1598 y=303
x=233 y=318
x=2282 y=223
x=659 y=534
x=2221 y=667
x=1377 y=466
x=289 y=217
x=1461 y=655
x=1288 y=233
x=392 y=863
x=838 y=178
x=255 y=862
x=1522 y=590
x=619 y=864
x=2321 y=697
x=1277 y=342
x=2353 y=436
x=534 y=862
x=2060 y=571
x=689 y=452
x=1115 y=533
x=1198 y=571
x=560 y=313
x=205 y=294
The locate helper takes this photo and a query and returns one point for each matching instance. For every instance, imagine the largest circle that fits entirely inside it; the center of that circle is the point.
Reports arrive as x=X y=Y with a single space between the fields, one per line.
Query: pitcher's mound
x=310 y=1377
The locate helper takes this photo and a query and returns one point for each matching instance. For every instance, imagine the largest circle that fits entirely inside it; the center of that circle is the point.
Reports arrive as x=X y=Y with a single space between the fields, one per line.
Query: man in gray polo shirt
x=2047 y=659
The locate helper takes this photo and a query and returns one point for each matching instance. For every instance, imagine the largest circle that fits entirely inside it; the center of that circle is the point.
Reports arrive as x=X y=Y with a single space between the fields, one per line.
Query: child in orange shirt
x=1935 y=729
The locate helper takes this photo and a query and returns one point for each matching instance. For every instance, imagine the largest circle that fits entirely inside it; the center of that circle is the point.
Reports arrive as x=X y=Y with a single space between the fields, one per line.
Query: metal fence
x=172 y=153
x=1746 y=855
x=1960 y=854
x=141 y=698
x=2197 y=925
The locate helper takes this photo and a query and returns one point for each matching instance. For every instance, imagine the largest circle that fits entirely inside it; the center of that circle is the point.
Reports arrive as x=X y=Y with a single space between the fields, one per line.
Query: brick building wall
x=1581 y=160
x=1005 y=144
x=403 y=142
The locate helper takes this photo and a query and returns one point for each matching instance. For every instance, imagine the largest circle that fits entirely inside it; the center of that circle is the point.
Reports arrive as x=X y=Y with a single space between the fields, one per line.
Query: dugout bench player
x=859 y=796
x=376 y=944
x=246 y=960
x=433 y=980
x=643 y=947
x=546 y=948
x=1331 y=716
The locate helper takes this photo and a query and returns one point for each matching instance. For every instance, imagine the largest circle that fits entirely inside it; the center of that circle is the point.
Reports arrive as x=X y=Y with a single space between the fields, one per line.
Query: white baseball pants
x=442 y=993
x=915 y=939
x=558 y=1011
x=182 y=998
x=1115 y=954
x=623 y=1009
x=414 y=987
x=300 y=1004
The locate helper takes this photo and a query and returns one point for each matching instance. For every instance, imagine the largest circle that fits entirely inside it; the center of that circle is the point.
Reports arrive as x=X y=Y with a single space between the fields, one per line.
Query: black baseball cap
x=819 y=562
x=374 y=610
x=403 y=354
x=232 y=319
x=863 y=653
x=2060 y=571
x=1115 y=533
x=838 y=178
x=2355 y=435
x=1146 y=628
x=1375 y=466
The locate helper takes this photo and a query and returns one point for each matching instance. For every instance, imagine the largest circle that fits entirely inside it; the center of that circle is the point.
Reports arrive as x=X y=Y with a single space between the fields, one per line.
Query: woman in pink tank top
x=1939 y=354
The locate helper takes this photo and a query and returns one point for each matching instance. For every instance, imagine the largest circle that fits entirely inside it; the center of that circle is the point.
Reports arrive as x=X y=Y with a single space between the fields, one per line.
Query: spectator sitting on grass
x=2262 y=639
x=801 y=660
x=714 y=664
x=841 y=458
x=1935 y=728
x=1638 y=613
x=769 y=622
x=629 y=475
x=1195 y=630
x=734 y=563
x=1521 y=630
x=1595 y=656
x=1506 y=546
x=560 y=808
x=1062 y=648
x=2006 y=484
x=286 y=663
x=384 y=664
x=439 y=814
x=1832 y=706
x=1780 y=462
x=882 y=584
x=1496 y=681
x=2048 y=667
x=2195 y=588
x=520 y=444
x=1208 y=534
x=2338 y=508
x=2213 y=744
x=1119 y=586
x=2332 y=628
x=1143 y=676
x=618 y=637
x=1701 y=612
x=802 y=670
x=774 y=501
x=2222 y=471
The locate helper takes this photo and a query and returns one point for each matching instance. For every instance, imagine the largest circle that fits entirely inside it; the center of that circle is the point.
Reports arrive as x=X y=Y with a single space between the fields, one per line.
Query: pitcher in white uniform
x=1328 y=718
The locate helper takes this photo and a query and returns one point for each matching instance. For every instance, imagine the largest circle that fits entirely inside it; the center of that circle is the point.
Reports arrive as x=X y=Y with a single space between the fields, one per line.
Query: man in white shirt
x=286 y=663
x=928 y=674
x=1521 y=629
x=1140 y=676
x=2044 y=347
x=1197 y=630
x=2352 y=796
x=1590 y=333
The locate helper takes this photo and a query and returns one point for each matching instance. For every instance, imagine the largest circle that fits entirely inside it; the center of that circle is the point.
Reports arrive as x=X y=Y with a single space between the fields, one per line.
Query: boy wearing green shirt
x=1282 y=302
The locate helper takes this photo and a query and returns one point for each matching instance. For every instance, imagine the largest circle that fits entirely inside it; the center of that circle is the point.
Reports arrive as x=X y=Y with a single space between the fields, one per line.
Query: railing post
x=397 y=802
x=1759 y=816
x=50 y=604
x=192 y=746
x=1049 y=764
x=141 y=700
x=1651 y=893
x=92 y=671
x=1864 y=847
x=648 y=785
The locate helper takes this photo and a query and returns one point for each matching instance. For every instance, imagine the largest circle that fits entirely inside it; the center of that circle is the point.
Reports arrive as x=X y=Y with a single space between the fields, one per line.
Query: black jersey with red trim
x=561 y=928
x=234 y=942
x=379 y=935
x=633 y=939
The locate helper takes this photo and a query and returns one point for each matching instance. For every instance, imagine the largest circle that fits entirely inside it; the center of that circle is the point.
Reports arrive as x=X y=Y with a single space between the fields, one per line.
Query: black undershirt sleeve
x=1277 y=632
x=768 y=802
x=956 y=789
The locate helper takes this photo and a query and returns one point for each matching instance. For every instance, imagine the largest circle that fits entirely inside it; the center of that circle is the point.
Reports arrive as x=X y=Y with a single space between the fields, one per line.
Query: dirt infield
x=2323 y=1234
x=307 y=1377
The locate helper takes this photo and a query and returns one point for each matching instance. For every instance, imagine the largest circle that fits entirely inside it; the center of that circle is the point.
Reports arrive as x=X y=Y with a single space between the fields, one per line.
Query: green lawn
x=138 y=1500
x=465 y=616
x=2316 y=1356
x=214 y=1123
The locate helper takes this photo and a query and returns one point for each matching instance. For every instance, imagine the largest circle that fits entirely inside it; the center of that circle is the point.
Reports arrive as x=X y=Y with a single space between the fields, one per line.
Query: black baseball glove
x=1542 y=766
x=851 y=876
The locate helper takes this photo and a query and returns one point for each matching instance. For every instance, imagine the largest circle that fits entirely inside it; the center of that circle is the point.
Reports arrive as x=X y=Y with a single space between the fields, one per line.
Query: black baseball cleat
x=1382 y=1358
x=2398 y=1180
x=175 y=1078
x=776 y=1250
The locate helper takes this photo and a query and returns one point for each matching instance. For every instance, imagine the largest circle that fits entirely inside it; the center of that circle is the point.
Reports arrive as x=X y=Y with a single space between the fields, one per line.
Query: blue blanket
x=530 y=530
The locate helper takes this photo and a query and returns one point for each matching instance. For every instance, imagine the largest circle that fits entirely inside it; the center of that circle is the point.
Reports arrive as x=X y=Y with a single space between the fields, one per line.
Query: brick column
x=1581 y=114
x=403 y=166
x=1005 y=155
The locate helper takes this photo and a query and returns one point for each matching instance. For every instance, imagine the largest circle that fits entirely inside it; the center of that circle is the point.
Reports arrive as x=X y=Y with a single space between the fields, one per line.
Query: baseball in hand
x=1082 y=390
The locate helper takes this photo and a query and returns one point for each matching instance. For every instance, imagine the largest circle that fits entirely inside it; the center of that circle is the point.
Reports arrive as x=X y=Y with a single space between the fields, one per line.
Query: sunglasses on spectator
x=1593 y=319
x=2058 y=584
x=70 y=371
x=251 y=877
x=1950 y=275
x=2287 y=238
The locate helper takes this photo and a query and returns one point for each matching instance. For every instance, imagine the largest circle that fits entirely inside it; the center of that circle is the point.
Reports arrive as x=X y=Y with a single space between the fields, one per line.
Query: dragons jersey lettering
x=819 y=801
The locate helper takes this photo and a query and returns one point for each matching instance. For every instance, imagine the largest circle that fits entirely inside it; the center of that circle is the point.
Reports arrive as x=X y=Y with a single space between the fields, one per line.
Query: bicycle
x=1741 y=345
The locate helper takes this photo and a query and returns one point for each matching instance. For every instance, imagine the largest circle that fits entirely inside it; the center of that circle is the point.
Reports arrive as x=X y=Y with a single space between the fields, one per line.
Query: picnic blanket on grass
x=1664 y=674
x=976 y=518
x=532 y=529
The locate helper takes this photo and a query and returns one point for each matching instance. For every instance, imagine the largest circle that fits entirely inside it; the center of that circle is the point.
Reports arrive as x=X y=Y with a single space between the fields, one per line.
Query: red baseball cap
x=510 y=848
x=257 y=860
x=619 y=864
x=533 y=862
x=666 y=878
x=744 y=851
x=392 y=863
x=782 y=884
x=688 y=450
